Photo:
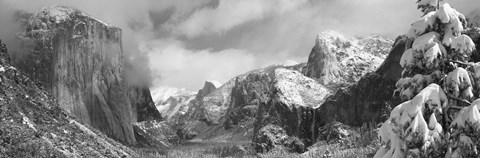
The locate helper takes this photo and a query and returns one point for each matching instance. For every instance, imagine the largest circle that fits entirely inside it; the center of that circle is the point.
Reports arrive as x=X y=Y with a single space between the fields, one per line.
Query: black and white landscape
x=250 y=78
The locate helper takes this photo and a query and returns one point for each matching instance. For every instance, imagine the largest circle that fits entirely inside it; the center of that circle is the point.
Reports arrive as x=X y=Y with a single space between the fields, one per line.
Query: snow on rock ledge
x=337 y=60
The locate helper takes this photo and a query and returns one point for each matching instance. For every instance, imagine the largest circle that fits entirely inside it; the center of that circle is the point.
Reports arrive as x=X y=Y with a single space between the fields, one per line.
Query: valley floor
x=201 y=149
x=361 y=142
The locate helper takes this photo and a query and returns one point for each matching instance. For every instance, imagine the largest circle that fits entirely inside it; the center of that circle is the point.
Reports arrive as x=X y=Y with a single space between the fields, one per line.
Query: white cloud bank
x=231 y=13
x=181 y=67
x=218 y=39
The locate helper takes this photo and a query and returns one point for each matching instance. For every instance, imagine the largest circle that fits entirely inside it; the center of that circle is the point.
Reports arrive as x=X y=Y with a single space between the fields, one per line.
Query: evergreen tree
x=438 y=84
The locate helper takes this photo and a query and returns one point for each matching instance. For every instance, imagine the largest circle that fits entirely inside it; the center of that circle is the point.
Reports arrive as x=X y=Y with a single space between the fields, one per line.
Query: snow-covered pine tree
x=437 y=118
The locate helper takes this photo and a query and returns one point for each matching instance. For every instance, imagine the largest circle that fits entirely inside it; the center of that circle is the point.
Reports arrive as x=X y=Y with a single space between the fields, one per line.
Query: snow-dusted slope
x=172 y=102
x=363 y=101
x=175 y=106
x=33 y=125
x=337 y=60
x=162 y=93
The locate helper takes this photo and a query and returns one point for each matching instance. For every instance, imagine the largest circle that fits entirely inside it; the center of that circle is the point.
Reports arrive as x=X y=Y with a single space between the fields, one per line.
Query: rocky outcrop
x=176 y=107
x=142 y=104
x=363 y=101
x=214 y=104
x=290 y=103
x=4 y=58
x=155 y=134
x=277 y=96
x=271 y=136
x=80 y=61
x=339 y=61
x=32 y=124
x=208 y=88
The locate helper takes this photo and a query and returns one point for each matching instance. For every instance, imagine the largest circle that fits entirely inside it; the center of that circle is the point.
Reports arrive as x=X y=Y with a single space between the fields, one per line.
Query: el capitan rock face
x=32 y=124
x=81 y=62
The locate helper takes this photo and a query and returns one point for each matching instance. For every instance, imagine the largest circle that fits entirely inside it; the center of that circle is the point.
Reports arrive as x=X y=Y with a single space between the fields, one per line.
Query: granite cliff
x=339 y=61
x=80 y=60
x=32 y=124
x=364 y=101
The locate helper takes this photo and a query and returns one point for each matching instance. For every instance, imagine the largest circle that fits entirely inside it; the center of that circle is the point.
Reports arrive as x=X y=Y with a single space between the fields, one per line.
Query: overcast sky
x=190 y=41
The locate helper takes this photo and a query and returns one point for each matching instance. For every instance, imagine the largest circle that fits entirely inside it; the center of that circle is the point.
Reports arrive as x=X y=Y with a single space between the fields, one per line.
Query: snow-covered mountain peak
x=337 y=59
x=50 y=17
x=215 y=83
x=55 y=14
x=331 y=38
x=289 y=63
x=162 y=93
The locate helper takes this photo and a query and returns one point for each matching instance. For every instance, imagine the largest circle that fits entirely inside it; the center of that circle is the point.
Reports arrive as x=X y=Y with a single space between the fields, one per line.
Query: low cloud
x=181 y=67
x=188 y=42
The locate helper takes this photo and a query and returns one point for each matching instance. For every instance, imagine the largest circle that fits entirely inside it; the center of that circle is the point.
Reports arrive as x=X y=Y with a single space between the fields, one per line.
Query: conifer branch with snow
x=436 y=119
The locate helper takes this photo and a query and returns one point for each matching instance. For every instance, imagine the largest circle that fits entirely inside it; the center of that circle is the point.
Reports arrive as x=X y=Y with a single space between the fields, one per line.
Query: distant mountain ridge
x=282 y=95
